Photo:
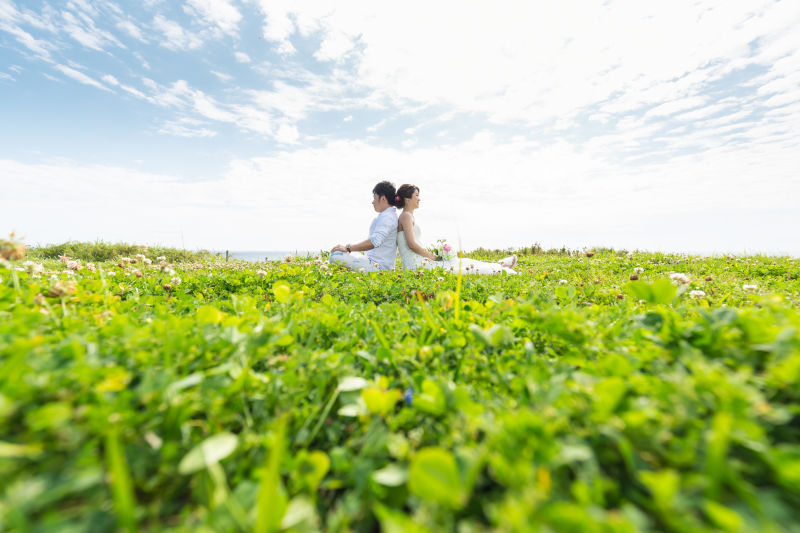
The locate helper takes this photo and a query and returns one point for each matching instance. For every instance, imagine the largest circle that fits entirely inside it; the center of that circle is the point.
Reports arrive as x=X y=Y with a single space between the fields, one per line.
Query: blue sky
x=264 y=124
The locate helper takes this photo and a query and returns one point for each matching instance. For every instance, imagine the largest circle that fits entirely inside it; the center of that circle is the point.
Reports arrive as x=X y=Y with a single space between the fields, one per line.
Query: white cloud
x=224 y=77
x=108 y=78
x=567 y=186
x=287 y=134
x=139 y=56
x=16 y=68
x=670 y=108
x=278 y=26
x=52 y=78
x=132 y=90
x=4 y=76
x=175 y=37
x=82 y=29
x=409 y=143
x=348 y=118
x=10 y=19
x=179 y=130
x=241 y=57
x=131 y=29
x=219 y=12
x=376 y=127
x=334 y=47
x=81 y=77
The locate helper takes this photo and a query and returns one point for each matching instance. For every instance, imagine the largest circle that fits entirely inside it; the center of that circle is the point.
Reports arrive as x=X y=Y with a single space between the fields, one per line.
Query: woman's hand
x=339 y=248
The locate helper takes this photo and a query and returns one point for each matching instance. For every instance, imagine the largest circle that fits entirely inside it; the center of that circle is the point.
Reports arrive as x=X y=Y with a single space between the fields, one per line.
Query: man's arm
x=381 y=231
x=362 y=246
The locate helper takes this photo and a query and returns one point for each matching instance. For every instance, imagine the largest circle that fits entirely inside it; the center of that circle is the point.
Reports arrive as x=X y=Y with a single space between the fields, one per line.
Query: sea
x=269 y=255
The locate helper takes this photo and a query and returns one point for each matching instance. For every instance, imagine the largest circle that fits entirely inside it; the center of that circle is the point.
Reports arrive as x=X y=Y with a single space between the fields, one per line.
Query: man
x=380 y=249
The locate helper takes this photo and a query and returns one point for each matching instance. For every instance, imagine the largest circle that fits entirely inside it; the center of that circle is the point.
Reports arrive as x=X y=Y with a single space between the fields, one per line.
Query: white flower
x=146 y=261
x=562 y=282
x=288 y=258
x=111 y=274
x=52 y=277
x=324 y=266
x=139 y=256
x=696 y=294
x=749 y=287
x=440 y=279
x=69 y=273
x=261 y=273
x=34 y=268
x=175 y=281
x=638 y=270
x=629 y=254
x=125 y=259
x=360 y=270
x=681 y=279
x=161 y=258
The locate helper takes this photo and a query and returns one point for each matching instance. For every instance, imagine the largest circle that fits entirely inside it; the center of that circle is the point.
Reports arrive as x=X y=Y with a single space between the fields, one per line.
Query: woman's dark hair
x=405 y=192
x=386 y=188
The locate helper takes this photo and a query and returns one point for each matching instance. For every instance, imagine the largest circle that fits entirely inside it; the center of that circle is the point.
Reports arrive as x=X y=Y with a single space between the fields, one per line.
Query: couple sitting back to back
x=387 y=233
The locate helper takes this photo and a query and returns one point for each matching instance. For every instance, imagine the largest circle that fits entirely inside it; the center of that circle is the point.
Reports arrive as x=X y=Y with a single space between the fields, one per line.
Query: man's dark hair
x=387 y=190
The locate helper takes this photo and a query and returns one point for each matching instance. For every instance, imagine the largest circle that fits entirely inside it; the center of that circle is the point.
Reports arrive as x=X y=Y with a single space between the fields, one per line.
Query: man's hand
x=339 y=248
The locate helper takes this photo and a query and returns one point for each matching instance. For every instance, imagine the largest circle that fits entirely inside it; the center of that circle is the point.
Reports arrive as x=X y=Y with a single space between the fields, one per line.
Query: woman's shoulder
x=405 y=216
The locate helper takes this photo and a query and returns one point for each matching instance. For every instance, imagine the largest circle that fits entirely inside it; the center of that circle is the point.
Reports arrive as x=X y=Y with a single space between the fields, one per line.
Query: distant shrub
x=103 y=251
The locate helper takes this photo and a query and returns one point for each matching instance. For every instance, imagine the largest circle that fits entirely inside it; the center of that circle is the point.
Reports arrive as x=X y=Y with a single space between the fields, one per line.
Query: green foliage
x=295 y=396
x=103 y=251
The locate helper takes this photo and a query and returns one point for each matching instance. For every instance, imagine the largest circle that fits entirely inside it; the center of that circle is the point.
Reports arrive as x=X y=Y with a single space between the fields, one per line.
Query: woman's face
x=413 y=202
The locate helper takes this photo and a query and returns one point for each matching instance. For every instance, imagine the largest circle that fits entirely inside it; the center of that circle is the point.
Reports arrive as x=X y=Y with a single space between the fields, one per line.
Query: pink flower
x=447 y=247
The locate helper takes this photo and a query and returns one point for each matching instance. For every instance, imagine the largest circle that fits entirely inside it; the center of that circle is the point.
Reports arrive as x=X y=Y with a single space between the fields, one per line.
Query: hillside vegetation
x=293 y=396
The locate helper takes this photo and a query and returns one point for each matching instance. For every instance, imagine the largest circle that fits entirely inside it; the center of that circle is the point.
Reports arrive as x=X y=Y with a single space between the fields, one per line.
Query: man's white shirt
x=383 y=236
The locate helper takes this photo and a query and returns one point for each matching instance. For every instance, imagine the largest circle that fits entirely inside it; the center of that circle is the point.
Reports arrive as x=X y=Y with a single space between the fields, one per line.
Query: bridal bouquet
x=443 y=251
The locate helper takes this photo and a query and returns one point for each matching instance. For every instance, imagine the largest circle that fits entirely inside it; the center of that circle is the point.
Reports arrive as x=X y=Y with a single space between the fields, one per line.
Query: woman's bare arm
x=407 y=223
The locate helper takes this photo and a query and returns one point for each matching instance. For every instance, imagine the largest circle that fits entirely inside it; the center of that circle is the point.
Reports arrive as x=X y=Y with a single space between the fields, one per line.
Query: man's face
x=378 y=202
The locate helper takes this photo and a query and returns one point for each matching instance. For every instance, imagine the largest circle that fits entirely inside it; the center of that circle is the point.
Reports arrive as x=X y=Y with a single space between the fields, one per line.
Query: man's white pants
x=354 y=261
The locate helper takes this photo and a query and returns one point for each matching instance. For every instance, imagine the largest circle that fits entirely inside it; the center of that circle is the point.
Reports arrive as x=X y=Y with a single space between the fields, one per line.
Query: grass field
x=292 y=396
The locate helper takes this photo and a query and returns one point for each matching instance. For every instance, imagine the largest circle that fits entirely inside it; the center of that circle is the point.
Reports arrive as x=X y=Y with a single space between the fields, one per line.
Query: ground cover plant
x=599 y=392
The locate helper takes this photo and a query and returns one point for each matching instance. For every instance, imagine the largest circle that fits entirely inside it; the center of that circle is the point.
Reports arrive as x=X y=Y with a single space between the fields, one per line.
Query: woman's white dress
x=412 y=260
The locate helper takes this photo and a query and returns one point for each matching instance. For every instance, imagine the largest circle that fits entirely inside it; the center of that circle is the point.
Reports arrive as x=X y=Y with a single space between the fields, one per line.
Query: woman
x=414 y=255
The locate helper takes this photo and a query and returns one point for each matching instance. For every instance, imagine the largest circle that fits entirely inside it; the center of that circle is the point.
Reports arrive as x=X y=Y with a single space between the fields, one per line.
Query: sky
x=265 y=124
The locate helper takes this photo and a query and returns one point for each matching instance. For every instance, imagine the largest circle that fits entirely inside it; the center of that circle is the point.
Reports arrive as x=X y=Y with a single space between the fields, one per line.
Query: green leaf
x=209 y=315
x=282 y=291
x=659 y=292
x=434 y=476
x=391 y=475
x=722 y=517
x=380 y=402
x=121 y=486
x=272 y=500
x=432 y=399
x=299 y=512
x=608 y=394
x=351 y=383
x=312 y=467
x=664 y=485
x=209 y=452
